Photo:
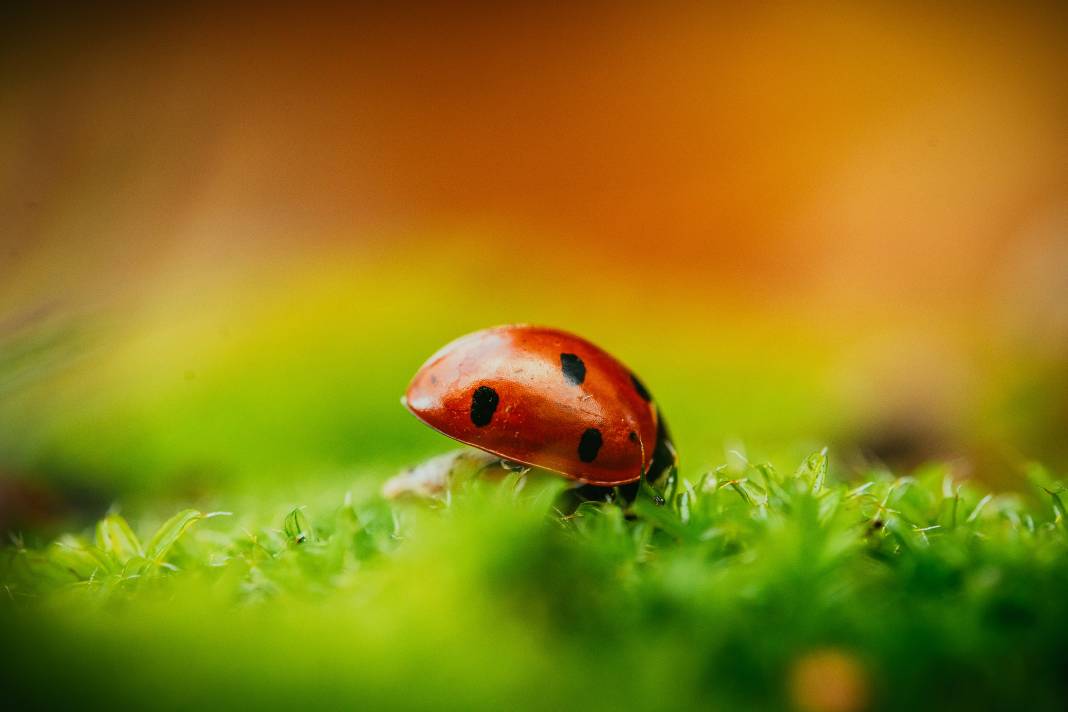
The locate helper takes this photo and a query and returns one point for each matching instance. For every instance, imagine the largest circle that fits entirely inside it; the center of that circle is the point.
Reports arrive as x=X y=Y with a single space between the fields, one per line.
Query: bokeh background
x=231 y=234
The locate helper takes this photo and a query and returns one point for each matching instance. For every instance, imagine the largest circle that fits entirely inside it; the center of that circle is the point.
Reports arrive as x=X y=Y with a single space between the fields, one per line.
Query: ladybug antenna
x=643 y=480
x=641 y=445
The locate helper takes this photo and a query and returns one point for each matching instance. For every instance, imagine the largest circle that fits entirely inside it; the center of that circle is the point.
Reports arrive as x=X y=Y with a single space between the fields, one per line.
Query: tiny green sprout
x=1060 y=514
x=296 y=527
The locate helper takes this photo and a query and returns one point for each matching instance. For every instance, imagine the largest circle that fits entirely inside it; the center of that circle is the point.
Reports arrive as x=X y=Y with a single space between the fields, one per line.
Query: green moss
x=750 y=589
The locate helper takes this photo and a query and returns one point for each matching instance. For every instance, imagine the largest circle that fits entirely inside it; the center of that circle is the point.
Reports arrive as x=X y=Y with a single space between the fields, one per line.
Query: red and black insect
x=545 y=398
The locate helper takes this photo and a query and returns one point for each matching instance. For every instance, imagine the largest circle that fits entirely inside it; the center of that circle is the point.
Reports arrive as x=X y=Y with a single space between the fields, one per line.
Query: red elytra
x=545 y=398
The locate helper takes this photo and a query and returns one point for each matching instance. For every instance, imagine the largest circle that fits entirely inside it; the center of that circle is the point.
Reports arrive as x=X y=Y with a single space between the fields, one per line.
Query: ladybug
x=545 y=398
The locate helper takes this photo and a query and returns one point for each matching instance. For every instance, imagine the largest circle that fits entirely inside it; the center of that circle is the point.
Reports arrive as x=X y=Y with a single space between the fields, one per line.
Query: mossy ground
x=752 y=589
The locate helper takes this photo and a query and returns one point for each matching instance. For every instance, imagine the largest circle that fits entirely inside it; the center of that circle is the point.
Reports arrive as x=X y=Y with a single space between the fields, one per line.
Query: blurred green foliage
x=216 y=390
x=751 y=589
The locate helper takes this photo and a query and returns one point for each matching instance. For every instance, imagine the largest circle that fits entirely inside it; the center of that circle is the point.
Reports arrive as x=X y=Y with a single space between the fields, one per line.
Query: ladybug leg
x=651 y=492
x=570 y=499
x=658 y=482
x=511 y=466
x=663 y=468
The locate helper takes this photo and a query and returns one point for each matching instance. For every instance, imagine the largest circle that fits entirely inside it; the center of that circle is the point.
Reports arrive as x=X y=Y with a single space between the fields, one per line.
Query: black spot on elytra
x=573 y=368
x=589 y=445
x=483 y=403
x=640 y=387
x=632 y=436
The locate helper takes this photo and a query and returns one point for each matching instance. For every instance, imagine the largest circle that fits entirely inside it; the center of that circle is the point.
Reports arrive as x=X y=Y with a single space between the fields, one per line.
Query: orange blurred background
x=805 y=222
